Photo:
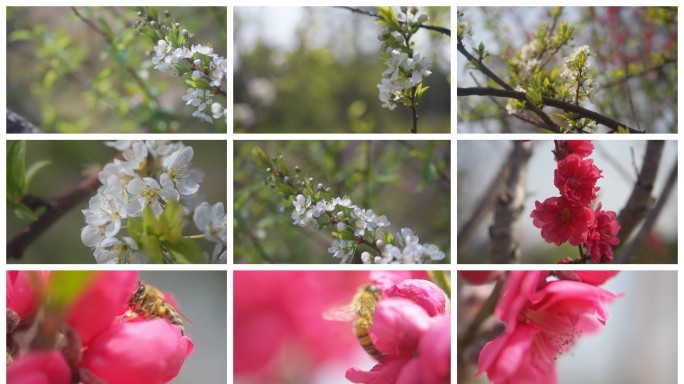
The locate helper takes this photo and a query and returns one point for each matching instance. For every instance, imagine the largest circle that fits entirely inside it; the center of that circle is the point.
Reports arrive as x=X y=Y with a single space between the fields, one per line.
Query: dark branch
x=57 y=208
x=442 y=30
x=18 y=124
x=597 y=117
x=548 y=123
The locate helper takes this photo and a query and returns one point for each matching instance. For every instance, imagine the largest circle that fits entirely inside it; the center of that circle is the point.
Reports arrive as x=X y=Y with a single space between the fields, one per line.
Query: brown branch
x=442 y=30
x=640 y=200
x=626 y=253
x=483 y=208
x=548 y=123
x=547 y=101
x=57 y=208
x=19 y=124
x=509 y=206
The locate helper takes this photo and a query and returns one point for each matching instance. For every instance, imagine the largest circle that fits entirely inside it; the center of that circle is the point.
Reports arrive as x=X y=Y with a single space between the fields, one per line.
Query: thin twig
x=442 y=30
x=547 y=101
x=131 y=71
x=627 y=253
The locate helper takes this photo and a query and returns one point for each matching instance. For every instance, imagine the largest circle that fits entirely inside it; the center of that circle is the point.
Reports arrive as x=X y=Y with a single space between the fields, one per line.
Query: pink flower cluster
x=569 y=217
x=109 y=346
x=412 y=328
x=543 y=318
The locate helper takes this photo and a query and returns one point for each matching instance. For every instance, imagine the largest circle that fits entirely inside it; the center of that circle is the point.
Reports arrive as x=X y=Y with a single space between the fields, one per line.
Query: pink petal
x=145 y=352
x=422 y=292
x=385 y=372
x=39 y=368
x=519 y=286
x=24 y=289
x=595 y=277
x=398 y=325
x=434 y=352
x=105 y=298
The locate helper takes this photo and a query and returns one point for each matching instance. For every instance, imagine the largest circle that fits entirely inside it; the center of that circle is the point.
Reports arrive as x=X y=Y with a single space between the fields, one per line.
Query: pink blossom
x=105 y=298
x=595 y=277
x=562 y=220
x=40 y=367
x=386 y=279
x=139 y=352
x=432 y=364
x=582 y=148
x=24 y=290
x=544 y=323
x=602 y=236
x=576 y=179
x=401 y=330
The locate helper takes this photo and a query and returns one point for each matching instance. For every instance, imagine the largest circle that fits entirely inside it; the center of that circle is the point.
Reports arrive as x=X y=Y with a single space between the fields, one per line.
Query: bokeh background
x=64 y=77
x=61 y=243
x=637 y=345
x=316 y=69
x=202 y=298
x=619 y=160
x=407 y=181
x=622 y=40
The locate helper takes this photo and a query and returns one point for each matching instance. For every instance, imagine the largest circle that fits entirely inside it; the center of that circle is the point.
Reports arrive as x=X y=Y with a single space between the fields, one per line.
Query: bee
x=360 y=311
x=149 y=301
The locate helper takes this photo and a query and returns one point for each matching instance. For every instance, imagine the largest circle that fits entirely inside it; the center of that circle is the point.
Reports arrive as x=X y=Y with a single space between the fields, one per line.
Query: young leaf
x=16 y=158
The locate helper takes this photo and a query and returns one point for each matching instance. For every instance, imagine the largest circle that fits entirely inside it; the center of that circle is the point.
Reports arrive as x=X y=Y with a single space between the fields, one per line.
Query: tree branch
x=627 y=253
x=442 y=30
x=56 y=209
x=18 y=124
x=597 y=117
x=548 y=123
x=509 y=206
x=640 y=200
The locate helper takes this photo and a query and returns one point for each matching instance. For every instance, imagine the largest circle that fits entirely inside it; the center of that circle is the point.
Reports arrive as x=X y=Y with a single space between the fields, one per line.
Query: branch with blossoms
x=358 y=234
x=62 y=326
x=402 y=81
x=197 y=64
x=534 y=83
x=524 y=343
x=150 y=193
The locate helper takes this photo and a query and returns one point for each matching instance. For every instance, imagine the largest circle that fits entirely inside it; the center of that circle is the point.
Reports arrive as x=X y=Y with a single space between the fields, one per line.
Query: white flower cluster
x=409 y=251
x=363 y=222
x=528 y=57
x=205 y=65
x=402 y=73
x=577 y=74
x=150 y=174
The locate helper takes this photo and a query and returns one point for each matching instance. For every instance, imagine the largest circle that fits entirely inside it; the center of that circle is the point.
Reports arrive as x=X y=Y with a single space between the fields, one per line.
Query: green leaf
x=185 y=251
x=67 y=286
x=31 y=172
x=622 y=129
x=23 y=212
x=345 y=235
x=105 y=27
x=19 y=35
x=135 y=229
x=16 y=158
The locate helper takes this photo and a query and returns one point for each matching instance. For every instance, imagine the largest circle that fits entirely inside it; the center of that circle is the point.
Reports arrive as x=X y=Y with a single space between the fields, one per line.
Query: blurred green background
x=316 y=69
x=407 y=181
x=61 y=243
x=64 y=77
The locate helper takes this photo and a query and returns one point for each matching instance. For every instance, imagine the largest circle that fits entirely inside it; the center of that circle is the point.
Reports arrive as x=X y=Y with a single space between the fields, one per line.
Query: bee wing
x=340 y=313
x=183 y=316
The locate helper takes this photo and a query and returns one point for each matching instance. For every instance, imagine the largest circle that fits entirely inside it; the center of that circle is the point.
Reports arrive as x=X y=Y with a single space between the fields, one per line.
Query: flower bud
x=379 y=243
x=319 y=186
x=153 y=23
x=403 y=8
x=423 y=18
x=398 y=37
x=413 y=10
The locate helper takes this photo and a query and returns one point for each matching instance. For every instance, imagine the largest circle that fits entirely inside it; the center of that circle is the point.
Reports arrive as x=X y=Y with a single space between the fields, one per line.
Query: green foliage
x=68 y=76
x=19 y=179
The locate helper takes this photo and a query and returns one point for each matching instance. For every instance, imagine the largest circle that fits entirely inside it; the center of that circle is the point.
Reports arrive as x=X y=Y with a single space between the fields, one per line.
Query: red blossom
x=602 y=236
x=582 y=148
x=562 y=220
x=576 y=179
x=543 y=320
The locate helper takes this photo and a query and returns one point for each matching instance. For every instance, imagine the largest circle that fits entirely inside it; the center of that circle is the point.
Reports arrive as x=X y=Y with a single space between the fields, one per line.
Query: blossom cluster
x=148 y=175
x=206 y=68
x=544 y=316
x=569 y=217
x=358 y=224
x=405 y=68
x=99 y=342
x=411 y=327
x=576 y=74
